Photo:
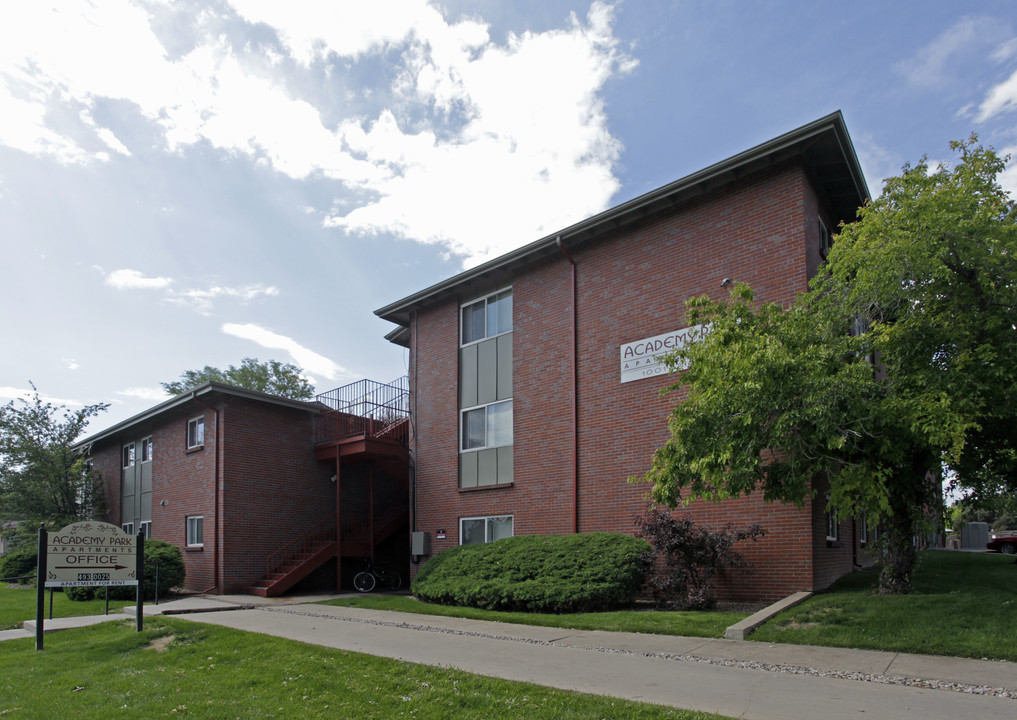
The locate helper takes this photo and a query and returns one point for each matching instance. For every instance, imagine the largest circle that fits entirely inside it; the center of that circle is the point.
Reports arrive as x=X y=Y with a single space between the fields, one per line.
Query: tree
x=271 y=377
x=685 y=557
x=900 y=359
x=41 y=475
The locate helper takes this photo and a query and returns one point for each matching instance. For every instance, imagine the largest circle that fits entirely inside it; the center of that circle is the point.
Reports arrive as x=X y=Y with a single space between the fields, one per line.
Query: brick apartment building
x=250 y=485
x=534 y=391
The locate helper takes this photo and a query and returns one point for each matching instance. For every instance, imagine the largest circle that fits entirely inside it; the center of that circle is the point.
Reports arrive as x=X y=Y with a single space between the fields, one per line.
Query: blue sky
x=191 y=183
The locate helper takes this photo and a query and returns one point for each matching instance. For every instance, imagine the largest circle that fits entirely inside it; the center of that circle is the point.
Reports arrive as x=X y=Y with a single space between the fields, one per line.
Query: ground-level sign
x=91 y=554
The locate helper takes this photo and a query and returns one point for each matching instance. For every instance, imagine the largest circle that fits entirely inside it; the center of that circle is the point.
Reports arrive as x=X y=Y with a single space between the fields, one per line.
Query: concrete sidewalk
x=735 y=678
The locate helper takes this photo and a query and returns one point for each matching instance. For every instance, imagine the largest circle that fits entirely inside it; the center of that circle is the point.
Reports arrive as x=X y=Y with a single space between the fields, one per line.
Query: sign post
x=88 y=554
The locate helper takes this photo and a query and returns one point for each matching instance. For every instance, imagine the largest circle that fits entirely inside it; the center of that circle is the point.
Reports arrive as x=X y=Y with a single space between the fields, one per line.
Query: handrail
x=322 y=532
x=372 y=409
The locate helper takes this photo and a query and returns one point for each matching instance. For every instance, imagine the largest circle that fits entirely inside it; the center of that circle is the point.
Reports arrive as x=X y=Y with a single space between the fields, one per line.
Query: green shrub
x=537 y=573
x=171 y=575
x=20 y=563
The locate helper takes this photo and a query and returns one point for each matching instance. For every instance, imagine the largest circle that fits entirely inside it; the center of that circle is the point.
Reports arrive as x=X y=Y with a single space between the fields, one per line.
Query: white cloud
x=513 y=132
x=307 y=360
x=126 y=279
x=534 y=155
x=201 y=301
x=928 y=66
x=71 y=364
x=143 y=393
x=12 y=393
x=1000 y=99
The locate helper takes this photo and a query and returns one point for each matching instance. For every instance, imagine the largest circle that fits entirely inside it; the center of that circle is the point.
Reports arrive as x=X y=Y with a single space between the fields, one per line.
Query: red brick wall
x=633 y=286
x=271 y=485
x=273 y=489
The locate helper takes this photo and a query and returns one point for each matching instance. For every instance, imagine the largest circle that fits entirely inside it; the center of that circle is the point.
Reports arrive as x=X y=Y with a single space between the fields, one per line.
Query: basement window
x=480 y=530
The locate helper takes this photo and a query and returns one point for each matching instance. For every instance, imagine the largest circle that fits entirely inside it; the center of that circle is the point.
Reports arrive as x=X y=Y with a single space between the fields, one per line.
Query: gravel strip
x=745 y=664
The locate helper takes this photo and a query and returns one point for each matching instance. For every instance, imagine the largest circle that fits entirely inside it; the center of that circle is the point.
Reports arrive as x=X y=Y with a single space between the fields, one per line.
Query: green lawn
x=175 y=667
x=17 y=604
x=964 y=604
x=689 y=624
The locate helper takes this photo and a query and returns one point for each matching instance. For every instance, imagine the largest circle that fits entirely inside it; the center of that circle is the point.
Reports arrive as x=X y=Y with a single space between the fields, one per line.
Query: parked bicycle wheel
x=363 y=582
x=391 y=580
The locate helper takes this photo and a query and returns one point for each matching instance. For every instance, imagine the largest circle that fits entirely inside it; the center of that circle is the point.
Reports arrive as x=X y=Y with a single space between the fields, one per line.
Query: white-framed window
x=486 y=317
x=479 y=530
x=195 y=531
x=832 y=533
x=145 y=527
x=195 y=432
x=486 y=426
x=147 y=448
x=863 y=529
x=128 y=456
x=128 y=528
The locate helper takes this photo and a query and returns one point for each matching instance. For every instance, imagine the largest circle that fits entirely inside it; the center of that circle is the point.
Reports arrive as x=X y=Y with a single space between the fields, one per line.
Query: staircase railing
x=366 y=407
x=324 y=531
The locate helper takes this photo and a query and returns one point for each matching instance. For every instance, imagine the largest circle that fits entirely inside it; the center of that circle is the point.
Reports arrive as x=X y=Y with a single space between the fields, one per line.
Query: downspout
x=575 y=392
x=215 y=512
x=413 y=421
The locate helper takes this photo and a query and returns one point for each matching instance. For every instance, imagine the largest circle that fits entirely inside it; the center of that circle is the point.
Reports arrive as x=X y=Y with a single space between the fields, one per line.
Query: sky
x=191 y=183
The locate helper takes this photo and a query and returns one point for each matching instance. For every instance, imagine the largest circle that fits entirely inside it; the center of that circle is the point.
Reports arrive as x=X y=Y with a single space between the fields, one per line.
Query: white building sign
x=89 y=554
x=644 y=358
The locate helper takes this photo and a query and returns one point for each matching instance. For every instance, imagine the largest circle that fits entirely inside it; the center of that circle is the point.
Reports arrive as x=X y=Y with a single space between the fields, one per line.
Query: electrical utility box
x=420 y=543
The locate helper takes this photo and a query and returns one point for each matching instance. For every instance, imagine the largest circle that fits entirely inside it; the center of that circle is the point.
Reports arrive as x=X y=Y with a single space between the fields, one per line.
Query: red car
x=1006 y=544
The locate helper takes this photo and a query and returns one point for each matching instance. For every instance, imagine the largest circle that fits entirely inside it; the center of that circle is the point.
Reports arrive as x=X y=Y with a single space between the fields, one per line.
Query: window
x=863 y=530
x=487 y=317
x=831 y=522
x=479 y=530
x=128 y=528
x=825 y=239
x=196 y=433
x=146 y=527
x=128 y=455
x=195 y=531
x=487 y=426
x=146 y=450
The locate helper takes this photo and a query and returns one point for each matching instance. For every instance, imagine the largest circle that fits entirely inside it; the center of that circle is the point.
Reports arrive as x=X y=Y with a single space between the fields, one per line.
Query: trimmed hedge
x=171 y=575
x=20 y=563
x=538 y=573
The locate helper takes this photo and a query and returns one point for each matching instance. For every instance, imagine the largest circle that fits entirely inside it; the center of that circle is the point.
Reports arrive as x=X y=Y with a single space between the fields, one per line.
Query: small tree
x=271 y=377
x=41 y=475
x=685 y=557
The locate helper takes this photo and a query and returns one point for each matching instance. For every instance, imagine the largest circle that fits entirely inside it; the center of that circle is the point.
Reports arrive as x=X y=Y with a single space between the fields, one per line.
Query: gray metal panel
x=487 y=470
x=504 y=366
x=487 y=371
x=505 y=464
x=146 y=508
x=468 y=469
x=146 y=477
x=468 y=376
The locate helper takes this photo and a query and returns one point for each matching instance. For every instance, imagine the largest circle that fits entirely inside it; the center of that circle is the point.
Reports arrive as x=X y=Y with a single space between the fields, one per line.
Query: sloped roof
x=184 y=398
x=823 y=146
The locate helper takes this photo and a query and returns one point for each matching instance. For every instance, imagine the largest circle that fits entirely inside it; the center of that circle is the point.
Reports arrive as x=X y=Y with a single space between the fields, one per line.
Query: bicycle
x=373 y=574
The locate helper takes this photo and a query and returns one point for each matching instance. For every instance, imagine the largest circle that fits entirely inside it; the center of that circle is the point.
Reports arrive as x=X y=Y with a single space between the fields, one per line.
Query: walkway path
x=735 y=678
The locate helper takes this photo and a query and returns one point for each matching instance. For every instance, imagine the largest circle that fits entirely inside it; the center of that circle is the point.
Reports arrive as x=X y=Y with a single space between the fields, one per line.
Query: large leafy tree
x=41 y=476
x=271 y=377
x=901 y=358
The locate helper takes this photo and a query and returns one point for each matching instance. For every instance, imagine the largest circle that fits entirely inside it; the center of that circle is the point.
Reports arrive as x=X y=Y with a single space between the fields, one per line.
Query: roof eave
x=795 y=143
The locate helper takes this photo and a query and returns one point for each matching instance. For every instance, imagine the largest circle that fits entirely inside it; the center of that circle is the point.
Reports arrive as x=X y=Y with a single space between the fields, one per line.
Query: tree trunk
x=897 y=556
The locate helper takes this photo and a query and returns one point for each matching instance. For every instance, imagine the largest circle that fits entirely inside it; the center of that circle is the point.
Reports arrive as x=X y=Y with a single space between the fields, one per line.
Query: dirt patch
x=161 y=644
